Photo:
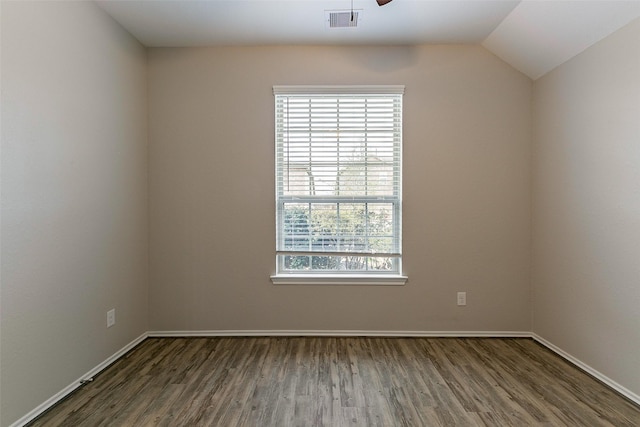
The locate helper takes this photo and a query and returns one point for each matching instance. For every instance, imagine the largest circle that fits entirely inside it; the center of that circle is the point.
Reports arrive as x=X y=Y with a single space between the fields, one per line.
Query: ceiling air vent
x=342 y=18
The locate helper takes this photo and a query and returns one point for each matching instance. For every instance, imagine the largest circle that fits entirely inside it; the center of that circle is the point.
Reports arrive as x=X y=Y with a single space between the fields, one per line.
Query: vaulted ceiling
x=534 y=36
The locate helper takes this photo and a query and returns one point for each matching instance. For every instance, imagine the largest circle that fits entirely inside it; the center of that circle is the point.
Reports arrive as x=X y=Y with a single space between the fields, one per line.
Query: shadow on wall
x=383 y=59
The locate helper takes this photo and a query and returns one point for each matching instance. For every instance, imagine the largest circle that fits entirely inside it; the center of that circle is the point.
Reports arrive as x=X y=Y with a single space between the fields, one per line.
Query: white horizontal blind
x=338 y=179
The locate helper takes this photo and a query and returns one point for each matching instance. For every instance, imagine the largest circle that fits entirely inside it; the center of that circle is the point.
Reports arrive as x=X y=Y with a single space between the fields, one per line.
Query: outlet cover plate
x=462 y=298
x=111 y=317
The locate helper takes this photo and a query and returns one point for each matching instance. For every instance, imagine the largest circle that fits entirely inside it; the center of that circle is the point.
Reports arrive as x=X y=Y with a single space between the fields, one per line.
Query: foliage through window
x=338 y=179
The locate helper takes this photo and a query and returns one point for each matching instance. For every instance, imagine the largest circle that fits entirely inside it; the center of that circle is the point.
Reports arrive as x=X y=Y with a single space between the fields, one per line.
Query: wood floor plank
x=339 y=381
x=601 y=400
x=546 y=383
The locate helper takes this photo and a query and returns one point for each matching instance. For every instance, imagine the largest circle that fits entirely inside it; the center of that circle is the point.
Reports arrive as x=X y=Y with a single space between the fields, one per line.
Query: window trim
x=395 y=278
x=339 y=279
x=338 y=90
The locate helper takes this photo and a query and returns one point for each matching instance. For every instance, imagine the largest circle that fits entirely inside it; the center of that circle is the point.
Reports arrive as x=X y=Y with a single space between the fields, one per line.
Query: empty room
x=320 y=213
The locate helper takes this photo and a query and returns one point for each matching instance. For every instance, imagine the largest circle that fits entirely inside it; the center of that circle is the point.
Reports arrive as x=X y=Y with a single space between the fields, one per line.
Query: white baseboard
x=340 y=333
x=588 y=369
x=77 y=383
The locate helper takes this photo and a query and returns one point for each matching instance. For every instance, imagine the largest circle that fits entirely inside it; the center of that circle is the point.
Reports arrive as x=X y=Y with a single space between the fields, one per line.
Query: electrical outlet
x=462 y=298
x=111 y=317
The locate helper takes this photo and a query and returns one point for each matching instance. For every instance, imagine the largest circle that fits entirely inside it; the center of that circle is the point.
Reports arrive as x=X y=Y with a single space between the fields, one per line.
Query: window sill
x=339 y=279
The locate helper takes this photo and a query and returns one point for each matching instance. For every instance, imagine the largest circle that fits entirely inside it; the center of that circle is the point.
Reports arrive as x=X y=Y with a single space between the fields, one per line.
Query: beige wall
x=586 y=207
x=74 y=196
x=466 y=191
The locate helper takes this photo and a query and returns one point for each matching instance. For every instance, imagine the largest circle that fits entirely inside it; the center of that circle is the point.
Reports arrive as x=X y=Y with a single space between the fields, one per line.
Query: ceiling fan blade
x=383 y=2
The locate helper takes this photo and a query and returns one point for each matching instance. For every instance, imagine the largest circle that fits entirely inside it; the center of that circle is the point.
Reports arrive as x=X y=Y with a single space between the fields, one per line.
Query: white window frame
x=335 y=277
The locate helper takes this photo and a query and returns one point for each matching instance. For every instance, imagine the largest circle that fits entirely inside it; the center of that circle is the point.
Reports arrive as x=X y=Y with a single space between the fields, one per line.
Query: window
x=338 y=183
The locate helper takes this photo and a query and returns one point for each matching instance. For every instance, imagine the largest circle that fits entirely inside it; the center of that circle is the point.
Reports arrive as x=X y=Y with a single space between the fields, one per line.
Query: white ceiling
x=537 y=36
x=534 y=36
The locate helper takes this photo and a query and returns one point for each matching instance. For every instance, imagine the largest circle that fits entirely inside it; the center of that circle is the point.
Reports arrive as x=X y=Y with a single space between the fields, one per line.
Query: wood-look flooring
x=327 y=381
